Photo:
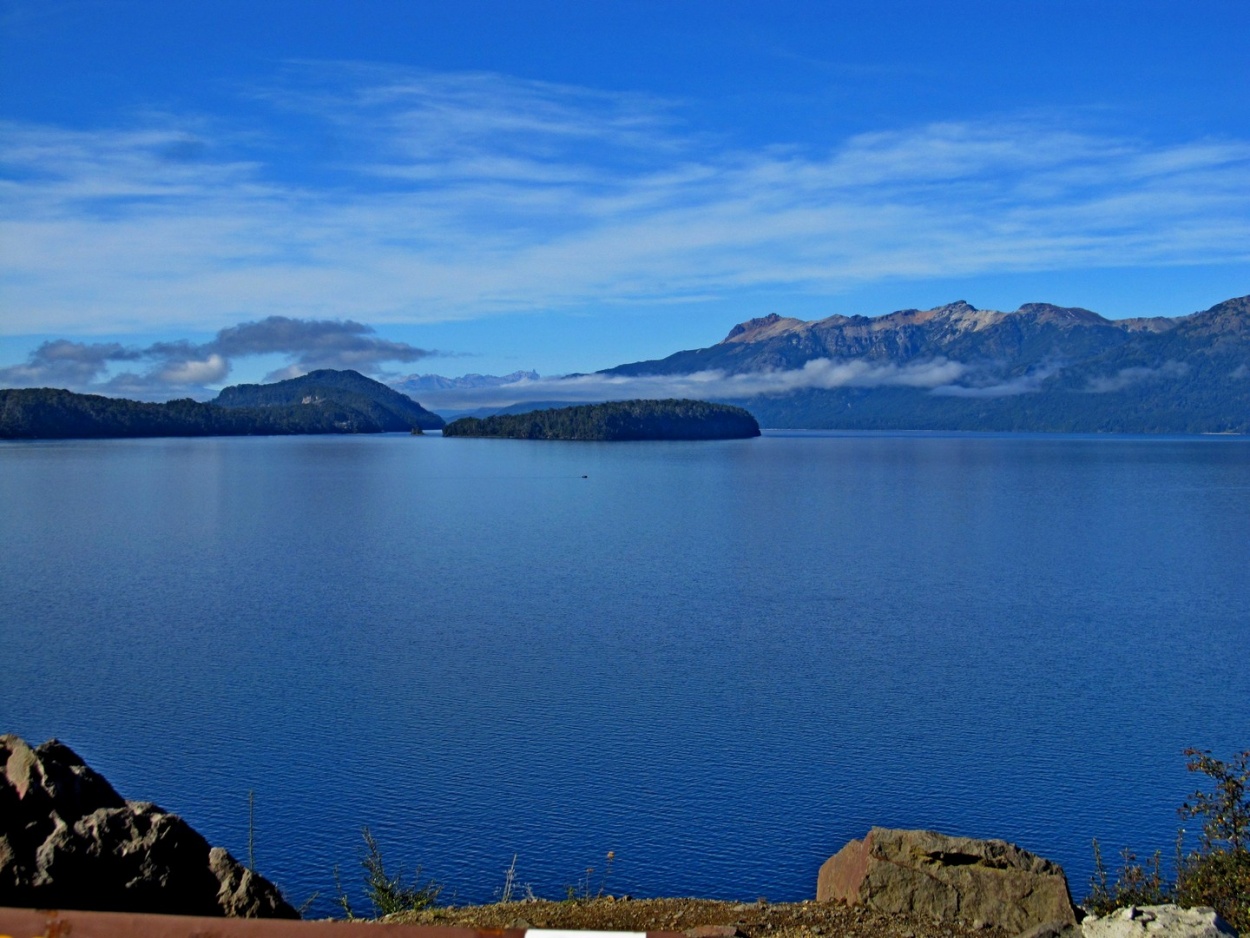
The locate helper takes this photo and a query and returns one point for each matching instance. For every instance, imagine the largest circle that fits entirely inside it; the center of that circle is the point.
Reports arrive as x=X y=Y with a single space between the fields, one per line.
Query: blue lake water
x=720 y=660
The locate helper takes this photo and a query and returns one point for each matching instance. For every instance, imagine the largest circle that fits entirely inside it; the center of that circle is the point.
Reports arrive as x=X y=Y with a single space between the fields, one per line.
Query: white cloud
x=463 y=195
x=820 y=373
x=1127 y=377
x=1029 y=383
x=208 y=370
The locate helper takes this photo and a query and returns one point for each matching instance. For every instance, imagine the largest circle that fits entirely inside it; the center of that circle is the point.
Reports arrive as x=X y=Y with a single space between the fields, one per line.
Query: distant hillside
x=616 y=420
x=526 y=406
x=352 y=396
x=412 y=384
x=1041 y=368
x=336 y=402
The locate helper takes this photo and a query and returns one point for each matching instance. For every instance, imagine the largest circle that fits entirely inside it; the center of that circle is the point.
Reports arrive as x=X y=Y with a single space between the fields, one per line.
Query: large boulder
x=69 y=841
x=1157 y=921
x=985 y=883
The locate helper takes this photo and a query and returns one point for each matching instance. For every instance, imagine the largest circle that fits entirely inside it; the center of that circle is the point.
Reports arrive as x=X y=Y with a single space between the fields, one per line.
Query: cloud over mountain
x=1042 y=367
x=185 y=368
x=700 y=385
x=1127 y=377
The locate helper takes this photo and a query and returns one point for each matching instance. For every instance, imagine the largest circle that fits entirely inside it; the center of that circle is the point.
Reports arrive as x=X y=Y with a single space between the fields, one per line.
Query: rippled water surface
x=718 y=660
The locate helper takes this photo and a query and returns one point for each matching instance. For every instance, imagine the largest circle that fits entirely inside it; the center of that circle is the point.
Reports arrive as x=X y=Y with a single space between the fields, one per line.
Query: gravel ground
x=694 y=916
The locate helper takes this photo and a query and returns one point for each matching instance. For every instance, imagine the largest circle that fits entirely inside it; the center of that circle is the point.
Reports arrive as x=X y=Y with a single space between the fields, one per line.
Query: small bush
x=1220 y=879
x=1216 y=874
x=1135 y=883
x=387 y=894
x=1226 y=811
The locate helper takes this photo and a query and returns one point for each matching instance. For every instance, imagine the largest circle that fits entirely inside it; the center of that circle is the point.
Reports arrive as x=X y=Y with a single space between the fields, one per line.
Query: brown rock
x=952 y=879
x=68 y=840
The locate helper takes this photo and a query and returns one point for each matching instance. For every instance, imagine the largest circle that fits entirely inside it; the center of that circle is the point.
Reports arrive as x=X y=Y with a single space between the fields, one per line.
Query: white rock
x=1157 y=921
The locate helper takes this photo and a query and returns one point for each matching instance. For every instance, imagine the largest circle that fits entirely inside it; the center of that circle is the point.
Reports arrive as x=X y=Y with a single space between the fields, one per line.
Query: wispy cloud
x=989 y=385
x=435 y=197
x=172 y=368
x=820 y=373
x=1127 y=377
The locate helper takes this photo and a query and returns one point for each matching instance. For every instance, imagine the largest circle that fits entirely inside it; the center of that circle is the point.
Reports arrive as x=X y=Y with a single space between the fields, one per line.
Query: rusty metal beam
x=42 y=923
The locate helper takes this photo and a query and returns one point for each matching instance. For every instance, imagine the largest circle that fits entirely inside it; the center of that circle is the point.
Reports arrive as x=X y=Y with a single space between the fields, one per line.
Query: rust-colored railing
x=42 y=923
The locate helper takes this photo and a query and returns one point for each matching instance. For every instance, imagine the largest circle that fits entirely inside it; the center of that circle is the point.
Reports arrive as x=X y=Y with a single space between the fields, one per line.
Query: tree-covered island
x=616 y=420
x=323 y=401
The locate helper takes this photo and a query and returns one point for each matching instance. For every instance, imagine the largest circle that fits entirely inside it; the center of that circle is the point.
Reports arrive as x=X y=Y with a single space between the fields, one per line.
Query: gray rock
x=1052 y=930
x=948 y=879
x=68 y=840
x=1157 y=921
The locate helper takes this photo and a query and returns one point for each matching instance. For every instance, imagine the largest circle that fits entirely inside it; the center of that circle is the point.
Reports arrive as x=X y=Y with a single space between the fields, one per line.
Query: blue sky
x=199 y=194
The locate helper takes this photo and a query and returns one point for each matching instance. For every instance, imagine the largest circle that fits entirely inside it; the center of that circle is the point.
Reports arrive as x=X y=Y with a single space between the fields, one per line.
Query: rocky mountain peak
x=960 y=316
x=763 y=327
x=1232 y=317
x=1072 y=315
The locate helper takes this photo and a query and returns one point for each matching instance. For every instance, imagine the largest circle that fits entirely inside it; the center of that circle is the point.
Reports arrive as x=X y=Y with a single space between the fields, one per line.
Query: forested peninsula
x=616 y=420
x=324 y=401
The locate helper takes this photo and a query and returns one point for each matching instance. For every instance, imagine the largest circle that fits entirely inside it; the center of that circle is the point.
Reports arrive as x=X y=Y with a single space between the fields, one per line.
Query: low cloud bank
x=170 y=369
x=823 y=373
x=1029 y=383
x=1127 y=377
x=939 y=376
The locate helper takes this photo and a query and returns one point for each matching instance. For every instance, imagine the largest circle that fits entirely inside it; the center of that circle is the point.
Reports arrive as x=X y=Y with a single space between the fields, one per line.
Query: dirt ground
x=697 y=918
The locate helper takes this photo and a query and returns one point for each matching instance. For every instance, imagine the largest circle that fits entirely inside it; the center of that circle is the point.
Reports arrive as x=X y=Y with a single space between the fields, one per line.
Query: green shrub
x=1226 y=811
x=1135 y=883
x=1216 y=874
x=1220 y=879
x=387 y=894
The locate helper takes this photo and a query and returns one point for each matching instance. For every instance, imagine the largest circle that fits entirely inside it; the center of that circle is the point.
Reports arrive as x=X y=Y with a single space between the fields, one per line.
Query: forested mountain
x=348 y=393
x=334 y=402
x=616 y=420
x=1043 y=368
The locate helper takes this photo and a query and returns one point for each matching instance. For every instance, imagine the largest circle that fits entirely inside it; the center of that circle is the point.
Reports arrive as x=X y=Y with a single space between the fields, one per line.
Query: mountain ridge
x=410 y=383
x=1037 y=368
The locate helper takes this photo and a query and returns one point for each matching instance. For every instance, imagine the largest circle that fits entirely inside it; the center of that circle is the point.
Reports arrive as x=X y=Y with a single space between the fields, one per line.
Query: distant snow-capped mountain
x=418 y=383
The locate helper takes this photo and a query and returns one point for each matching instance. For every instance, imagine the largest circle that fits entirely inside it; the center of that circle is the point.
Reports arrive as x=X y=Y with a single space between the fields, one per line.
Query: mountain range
x=955 y=367
x=1042 y=368
x=415 y=384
